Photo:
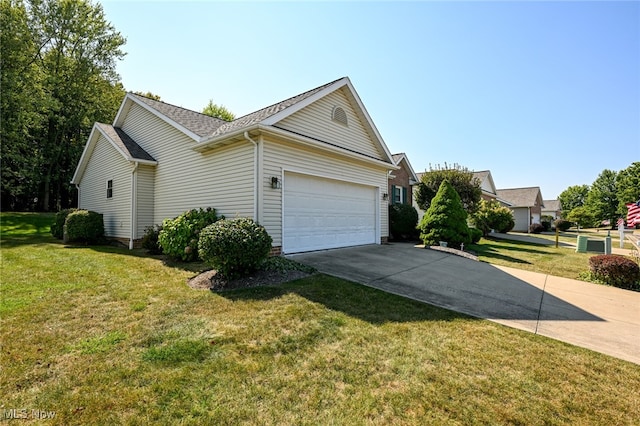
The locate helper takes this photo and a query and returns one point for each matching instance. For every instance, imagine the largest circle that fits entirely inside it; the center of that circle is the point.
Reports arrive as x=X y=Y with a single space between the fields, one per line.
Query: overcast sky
x=540 y=93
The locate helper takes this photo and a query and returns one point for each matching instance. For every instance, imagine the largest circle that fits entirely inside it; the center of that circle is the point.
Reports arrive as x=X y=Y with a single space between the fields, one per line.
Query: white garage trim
x=350 y=217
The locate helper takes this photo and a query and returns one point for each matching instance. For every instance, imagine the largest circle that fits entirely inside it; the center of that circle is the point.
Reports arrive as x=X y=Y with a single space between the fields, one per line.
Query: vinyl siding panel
x=185 y=179
x=315 y=121
x=280 y=156
x=93 y=188
x=145 y=191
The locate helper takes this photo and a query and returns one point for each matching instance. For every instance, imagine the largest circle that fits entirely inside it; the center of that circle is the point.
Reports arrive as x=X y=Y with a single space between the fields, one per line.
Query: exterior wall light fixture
x=275 y=183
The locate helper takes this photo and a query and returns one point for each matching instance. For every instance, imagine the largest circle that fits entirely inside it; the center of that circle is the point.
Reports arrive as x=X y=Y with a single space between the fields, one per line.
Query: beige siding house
x=312 y=169
x=525 y=204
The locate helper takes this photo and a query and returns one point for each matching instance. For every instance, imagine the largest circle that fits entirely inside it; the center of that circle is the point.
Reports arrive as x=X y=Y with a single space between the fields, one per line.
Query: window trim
x=109 y=188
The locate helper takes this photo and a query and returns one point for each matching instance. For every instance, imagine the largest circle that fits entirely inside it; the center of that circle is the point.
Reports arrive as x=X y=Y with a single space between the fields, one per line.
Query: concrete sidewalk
x=603 y=319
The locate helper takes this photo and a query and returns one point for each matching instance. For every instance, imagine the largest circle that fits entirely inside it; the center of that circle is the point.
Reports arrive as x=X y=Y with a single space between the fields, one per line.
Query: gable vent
x=339 y=115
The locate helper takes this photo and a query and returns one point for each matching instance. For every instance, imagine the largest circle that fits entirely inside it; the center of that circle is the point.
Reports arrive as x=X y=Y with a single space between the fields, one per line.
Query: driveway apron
x=604 y=319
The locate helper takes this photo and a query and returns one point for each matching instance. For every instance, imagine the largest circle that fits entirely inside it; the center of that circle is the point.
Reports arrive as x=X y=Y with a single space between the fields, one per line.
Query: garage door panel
x=323 y=213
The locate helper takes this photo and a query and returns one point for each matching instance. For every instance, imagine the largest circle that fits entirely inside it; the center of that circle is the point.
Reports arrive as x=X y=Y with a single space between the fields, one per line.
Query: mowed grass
x=107 y=336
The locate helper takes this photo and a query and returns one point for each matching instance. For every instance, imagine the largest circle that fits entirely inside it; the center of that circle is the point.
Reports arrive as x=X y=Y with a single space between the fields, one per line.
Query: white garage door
x=324 y=213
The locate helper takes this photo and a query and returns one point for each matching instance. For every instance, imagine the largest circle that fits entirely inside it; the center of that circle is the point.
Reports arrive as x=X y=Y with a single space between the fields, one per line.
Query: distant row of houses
x=527 y=204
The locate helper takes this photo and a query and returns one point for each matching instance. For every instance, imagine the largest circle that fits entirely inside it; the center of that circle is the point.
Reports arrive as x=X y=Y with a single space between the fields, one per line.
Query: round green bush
x=476 y=234
x=84 y=226
x=562 y=225
x=234 y=247
x=57 y=227
x=403 y=219
x=150 y=239
x=493 y=216
x=179 y=236
x=536 y=228
x=615 y=270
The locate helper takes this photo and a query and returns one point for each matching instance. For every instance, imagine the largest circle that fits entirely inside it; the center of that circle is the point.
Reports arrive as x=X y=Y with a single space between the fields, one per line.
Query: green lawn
x=101 y=335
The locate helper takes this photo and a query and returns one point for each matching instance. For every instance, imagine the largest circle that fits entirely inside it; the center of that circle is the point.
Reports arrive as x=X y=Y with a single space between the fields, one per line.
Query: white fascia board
x=96 y=131
x=212 y=143
x=118 y=121
x=304 y=103
x=413 y=173
x=369 y=121
x=115 y=145
x=91 y=141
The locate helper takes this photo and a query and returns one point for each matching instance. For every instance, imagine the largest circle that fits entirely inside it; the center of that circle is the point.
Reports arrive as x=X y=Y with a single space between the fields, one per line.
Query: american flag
x=633 y=214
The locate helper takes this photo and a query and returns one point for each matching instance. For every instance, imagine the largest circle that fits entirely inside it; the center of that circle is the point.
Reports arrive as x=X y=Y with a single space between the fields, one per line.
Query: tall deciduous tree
x=69 y=52
x=460 y=178
x=602 y=201
x=572 y=197
x=628 y=184
x=218 y=111
x=21 y=103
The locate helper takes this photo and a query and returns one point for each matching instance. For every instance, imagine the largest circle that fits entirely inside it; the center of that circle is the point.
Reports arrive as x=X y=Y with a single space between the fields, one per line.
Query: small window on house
x=338 y=114
x=397 y=195
x=110 y=188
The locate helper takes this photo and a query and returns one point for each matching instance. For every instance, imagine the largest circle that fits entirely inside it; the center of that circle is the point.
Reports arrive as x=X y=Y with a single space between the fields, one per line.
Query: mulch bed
x=210 y=280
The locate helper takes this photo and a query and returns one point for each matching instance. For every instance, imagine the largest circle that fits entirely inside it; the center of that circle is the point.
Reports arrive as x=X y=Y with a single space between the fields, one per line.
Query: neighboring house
x=401 y=181
x=486 y=185
x=552 y=208
x=312 y=169
x=525 y=204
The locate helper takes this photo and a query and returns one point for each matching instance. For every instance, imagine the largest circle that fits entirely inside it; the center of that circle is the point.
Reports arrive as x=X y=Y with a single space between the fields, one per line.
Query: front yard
x=100 y=335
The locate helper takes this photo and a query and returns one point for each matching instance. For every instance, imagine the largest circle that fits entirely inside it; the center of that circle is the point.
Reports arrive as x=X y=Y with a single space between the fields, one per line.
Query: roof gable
x=521 y=197
x=486 y=181
x=126 y=146
x=402 y=158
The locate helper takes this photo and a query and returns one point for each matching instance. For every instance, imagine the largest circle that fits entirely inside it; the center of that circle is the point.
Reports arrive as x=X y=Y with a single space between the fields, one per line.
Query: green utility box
x=581 y=246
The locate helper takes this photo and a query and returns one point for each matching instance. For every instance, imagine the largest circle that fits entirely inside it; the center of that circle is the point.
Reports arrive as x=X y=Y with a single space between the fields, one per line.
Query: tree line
x=57 y=77
x=605 y=200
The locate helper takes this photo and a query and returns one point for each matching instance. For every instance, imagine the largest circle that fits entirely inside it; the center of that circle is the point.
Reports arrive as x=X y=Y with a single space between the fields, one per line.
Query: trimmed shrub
x=546 y=222
x=536 y=228
x=84 y=226
x=179 y=236
x=615 y=270
x=403 y=219
x=234 y=247
x=57 y=227
x=562 y=225
x=150 y=239
x=475 y=234
x=493 y=216
x=445 y=219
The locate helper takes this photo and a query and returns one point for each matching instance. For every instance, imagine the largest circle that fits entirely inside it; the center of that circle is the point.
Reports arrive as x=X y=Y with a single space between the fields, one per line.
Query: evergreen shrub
x=84 y=226
x=234 y=247
x=403 y=219
x=57 y=227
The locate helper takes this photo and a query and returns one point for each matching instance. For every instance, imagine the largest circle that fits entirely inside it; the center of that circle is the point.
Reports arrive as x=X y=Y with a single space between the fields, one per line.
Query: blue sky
x=540 y=93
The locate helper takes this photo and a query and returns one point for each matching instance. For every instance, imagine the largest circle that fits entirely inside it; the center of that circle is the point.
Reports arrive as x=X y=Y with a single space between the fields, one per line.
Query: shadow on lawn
x=355 y=300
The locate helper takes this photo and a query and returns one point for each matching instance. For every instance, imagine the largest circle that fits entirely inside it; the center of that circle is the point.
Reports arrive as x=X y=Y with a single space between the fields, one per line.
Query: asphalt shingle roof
x=552 y=205
x=206 y=126
x=519 y=197
x=125 y=143
x=198 y=123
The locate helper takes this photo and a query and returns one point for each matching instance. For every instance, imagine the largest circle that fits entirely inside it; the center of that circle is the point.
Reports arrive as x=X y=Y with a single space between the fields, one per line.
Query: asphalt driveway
x=604 y=319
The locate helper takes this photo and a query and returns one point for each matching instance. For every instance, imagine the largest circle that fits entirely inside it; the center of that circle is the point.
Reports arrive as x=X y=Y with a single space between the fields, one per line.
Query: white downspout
x=134 y=198
x=255 y=175
x=78 y=188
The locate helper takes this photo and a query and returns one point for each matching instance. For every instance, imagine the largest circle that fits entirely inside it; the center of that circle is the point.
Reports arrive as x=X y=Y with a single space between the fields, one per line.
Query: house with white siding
x=313 y=169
